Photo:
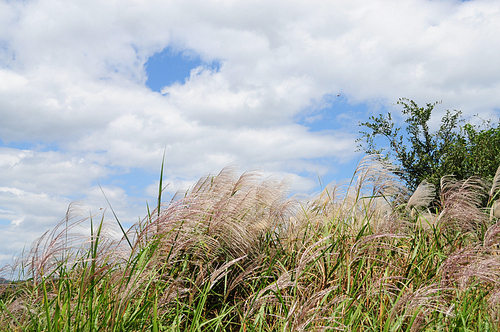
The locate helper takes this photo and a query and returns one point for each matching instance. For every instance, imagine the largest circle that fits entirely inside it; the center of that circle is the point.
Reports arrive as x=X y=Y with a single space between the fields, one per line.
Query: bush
x=462 y=150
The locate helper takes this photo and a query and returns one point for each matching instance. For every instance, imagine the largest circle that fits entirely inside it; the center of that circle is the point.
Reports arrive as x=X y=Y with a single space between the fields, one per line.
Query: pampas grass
x=236 y=253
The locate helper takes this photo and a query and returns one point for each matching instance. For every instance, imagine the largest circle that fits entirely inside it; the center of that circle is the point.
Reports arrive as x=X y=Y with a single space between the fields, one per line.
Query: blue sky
x=93 y=93
x=168 y=66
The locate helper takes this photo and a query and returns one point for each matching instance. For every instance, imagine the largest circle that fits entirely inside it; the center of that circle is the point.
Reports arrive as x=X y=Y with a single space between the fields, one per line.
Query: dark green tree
x=456 y=148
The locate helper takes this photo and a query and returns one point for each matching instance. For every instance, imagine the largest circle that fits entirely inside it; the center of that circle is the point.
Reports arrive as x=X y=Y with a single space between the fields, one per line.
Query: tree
x=463 y=150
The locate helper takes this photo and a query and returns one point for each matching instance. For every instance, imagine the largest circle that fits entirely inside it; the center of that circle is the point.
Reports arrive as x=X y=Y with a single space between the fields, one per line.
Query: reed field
x=236 y=253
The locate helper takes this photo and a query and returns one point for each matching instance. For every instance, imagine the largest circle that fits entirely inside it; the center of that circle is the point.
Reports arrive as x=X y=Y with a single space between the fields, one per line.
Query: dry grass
x=236 y=253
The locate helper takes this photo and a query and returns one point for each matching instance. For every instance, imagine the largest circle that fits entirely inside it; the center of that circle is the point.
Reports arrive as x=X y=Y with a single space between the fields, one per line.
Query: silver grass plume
x=494 y=199
x=495 y=210
x=468 y=265
x=378 y=175
x=377 y=191
x=492 y=237
x=421 y=303
x=460 y=203
x=64 y=245
x=313 y=313
x=222 y=214
x=218 y=227
x=371 y=195
x=495 y=187
x=422 y=197
x=268 y=295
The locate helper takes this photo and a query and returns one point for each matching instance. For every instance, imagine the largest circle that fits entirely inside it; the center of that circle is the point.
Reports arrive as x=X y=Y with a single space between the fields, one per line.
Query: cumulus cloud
x=76 y=109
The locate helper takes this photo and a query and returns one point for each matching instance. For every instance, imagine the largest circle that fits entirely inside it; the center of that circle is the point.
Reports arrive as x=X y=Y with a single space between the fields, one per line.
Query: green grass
x=234 y=253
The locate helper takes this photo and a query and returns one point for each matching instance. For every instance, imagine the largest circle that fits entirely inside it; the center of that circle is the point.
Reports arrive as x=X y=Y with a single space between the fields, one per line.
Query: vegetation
x=235 y=254
x=463 y=150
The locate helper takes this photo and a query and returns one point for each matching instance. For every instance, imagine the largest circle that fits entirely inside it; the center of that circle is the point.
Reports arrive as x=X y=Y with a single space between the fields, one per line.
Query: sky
x=94 y=93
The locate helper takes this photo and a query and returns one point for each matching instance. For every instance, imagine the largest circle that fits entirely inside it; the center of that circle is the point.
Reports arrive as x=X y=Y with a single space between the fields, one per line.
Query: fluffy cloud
x=75 y=108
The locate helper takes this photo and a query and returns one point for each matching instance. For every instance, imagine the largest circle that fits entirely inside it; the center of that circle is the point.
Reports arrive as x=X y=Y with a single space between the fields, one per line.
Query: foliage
x=235 y=254
x=462 y=150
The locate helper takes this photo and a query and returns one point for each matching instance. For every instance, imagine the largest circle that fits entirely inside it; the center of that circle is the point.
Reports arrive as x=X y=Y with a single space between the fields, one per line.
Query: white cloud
x=72 y=89
x=51 y=173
